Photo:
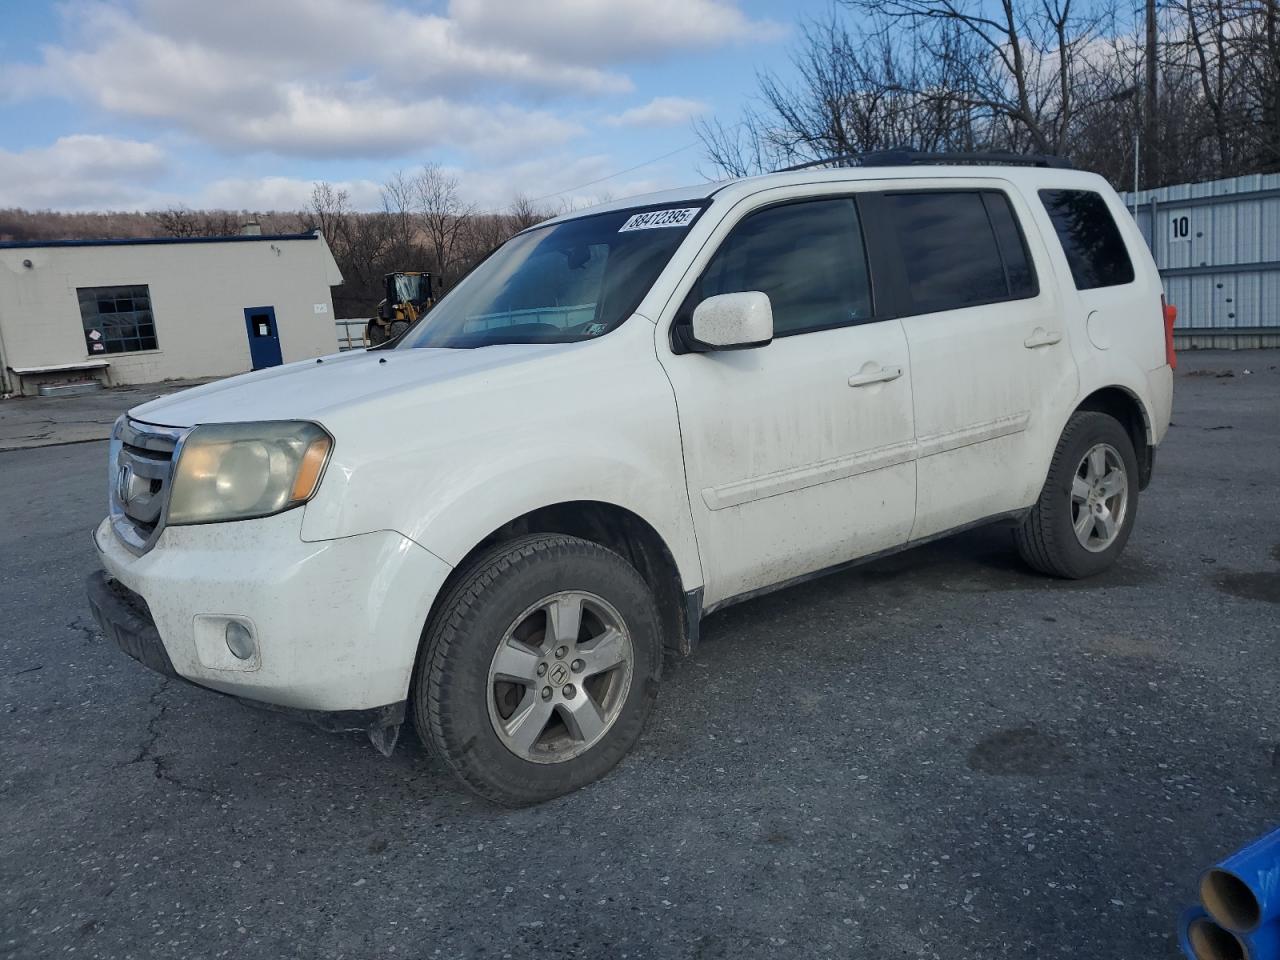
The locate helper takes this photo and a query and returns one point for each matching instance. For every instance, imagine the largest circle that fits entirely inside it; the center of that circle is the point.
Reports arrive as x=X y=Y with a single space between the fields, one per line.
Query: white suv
x=626 y=418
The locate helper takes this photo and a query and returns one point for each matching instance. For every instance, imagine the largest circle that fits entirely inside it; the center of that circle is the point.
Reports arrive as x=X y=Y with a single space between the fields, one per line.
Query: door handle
x=1042 y=338
x=881 y=375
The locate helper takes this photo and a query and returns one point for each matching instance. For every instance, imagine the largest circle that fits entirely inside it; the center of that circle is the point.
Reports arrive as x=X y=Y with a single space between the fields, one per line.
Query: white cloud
x=90 y=172
x=345 y=122
x=607 y=31
x=659 y=112
x=282 y=193
x=559 y=181
x=371 y=36
x=82 y=172
x=380 y=79
x=488 y=187
x=362 y=77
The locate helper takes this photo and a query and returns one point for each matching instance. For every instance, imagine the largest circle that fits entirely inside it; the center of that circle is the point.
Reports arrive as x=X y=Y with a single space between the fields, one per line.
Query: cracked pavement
x=938 y=755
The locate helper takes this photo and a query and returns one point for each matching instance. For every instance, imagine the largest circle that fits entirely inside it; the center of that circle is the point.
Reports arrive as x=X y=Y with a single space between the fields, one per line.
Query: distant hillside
x=35 y=225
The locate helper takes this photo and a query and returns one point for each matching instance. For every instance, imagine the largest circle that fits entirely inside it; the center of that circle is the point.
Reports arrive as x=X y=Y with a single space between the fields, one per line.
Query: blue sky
x=136 y=104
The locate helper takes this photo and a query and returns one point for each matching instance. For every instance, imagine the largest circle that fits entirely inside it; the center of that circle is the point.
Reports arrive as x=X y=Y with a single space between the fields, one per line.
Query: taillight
x=1170 y=318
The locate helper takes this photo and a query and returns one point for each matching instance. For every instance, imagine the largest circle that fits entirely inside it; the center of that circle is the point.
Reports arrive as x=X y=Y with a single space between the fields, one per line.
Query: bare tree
x=360 y=243
x=1202 y=96
x=177 y=222
x=443 y=216
x=399 y=198
x=739 y=149
x=1018 y=60
x=852 y=93
x=184 y=222
x=524 y=213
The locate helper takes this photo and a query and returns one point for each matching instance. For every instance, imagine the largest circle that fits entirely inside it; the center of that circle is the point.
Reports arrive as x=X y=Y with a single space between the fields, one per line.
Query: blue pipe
x=1189 y=916
x=1263 y=943
x=1242 y=893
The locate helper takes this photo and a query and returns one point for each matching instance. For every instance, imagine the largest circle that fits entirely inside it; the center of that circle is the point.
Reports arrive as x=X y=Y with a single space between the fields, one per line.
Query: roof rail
x=902 y=157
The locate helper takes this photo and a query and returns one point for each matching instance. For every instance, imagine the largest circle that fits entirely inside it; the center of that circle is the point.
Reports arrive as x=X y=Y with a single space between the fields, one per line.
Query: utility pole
x=1151 y=166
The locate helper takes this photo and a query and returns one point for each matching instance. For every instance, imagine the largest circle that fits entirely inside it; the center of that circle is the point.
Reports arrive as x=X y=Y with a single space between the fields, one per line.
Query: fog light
x=240 y=640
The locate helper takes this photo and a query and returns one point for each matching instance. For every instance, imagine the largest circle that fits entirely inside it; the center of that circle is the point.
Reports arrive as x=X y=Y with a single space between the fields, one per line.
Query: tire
x=1048 y=539
x=496 y=615
x=397 y=329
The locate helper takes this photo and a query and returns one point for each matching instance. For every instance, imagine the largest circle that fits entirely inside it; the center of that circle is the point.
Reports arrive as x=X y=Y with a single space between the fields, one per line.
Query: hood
x=309 y=389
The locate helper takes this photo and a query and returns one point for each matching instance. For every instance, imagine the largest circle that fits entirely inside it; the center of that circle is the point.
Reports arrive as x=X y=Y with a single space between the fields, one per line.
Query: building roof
x=144 y=241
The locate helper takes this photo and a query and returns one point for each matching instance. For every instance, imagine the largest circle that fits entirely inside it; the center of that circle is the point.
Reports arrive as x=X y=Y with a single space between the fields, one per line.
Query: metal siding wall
x=1229 y=223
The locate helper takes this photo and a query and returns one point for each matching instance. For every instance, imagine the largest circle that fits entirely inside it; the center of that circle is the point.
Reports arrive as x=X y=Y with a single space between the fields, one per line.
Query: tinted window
x=117 y=319
x=1090 y=238
x=1019 y=273
x=808 y=257
x=948 y=250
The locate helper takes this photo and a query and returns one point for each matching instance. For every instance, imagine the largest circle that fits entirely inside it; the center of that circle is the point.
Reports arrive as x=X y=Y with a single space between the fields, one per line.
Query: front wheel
x=1087 y=508
x=540 y=667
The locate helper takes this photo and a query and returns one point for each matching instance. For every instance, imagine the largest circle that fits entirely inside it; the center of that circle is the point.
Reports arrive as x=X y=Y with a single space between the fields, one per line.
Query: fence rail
x=351 y=334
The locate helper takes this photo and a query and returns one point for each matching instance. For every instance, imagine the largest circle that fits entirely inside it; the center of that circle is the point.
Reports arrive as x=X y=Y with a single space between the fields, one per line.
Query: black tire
x=1046 y=539
x=397 y=329
x=451 y=685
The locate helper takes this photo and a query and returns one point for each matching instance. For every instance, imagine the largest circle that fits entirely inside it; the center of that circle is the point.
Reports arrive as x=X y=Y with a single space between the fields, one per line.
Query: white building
x=139 y=311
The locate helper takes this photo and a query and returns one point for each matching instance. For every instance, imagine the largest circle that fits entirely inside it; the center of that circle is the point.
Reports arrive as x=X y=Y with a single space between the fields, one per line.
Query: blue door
x=264 y=338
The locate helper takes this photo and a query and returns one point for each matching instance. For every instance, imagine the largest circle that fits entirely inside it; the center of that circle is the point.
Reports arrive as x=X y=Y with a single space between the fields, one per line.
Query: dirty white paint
x=754 y=466
x=337 y=623
x=734 y=319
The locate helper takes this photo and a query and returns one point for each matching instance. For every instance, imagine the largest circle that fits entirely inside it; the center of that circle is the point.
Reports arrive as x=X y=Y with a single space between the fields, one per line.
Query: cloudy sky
x=127 y=104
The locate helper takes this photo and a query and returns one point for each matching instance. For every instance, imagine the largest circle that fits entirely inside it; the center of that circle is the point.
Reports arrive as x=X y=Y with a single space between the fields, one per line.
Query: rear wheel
x=540 y=668
x=1087 y=508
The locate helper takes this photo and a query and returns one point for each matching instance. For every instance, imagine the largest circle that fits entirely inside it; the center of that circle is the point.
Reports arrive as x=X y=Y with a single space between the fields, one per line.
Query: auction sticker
x=653 y=219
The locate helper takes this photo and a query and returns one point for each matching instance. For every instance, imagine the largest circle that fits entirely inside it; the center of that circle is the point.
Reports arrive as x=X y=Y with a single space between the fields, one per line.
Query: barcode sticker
x=653 y=219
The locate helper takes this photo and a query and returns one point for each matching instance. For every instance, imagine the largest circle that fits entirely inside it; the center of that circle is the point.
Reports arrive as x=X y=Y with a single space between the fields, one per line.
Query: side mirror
x=734 y=321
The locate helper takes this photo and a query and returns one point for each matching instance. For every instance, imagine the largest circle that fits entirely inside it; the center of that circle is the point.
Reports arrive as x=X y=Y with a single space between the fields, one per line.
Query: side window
x=808 y=257
x=1090 y=238
x=948 y=247
x=1018 y=270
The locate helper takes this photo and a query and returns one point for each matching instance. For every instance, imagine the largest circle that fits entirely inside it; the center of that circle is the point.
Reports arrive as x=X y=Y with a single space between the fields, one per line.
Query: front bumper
x=124 y=618
x=336 y=622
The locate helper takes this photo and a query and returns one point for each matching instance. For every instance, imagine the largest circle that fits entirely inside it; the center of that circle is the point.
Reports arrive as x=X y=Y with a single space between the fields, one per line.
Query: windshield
x=560 y=283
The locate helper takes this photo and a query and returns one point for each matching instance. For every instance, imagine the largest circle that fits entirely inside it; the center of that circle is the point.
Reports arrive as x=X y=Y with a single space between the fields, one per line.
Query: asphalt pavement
x=939 y=755
x=29 y=422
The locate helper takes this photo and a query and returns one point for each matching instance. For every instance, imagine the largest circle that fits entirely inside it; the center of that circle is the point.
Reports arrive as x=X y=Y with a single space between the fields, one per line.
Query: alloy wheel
x=559 y=678
x=1099 y=497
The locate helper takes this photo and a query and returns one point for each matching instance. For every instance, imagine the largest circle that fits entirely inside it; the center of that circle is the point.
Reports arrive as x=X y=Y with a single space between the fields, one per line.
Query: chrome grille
x=140 y=469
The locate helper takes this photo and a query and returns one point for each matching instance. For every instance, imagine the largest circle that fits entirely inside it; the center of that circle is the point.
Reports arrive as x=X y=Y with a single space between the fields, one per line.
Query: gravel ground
x=937 y=755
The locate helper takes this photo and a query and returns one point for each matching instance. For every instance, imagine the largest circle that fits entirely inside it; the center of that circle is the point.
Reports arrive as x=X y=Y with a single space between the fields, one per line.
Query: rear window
x=959 y=249
x=1090 y=238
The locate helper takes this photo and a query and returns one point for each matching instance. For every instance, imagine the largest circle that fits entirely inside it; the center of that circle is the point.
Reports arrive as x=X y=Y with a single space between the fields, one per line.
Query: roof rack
x=902 y=157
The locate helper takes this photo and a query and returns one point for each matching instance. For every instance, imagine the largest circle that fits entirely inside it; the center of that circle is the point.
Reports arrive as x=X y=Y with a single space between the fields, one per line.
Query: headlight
x=235 y=471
